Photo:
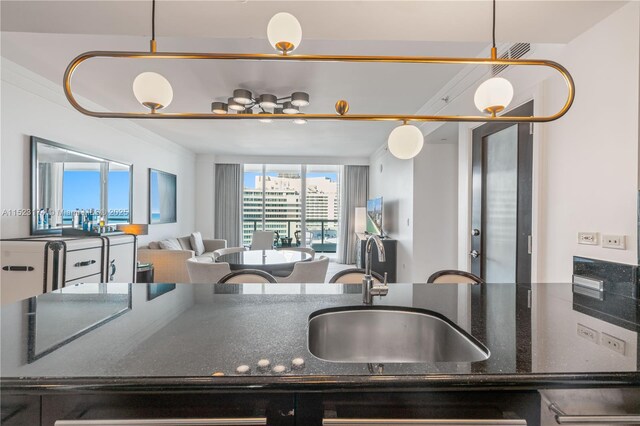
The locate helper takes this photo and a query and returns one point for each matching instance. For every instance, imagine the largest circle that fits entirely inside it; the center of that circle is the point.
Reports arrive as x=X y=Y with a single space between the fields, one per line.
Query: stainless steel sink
x=382 y=334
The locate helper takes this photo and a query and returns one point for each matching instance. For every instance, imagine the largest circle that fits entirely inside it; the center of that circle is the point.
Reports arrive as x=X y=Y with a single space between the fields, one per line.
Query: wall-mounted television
x=374 y=216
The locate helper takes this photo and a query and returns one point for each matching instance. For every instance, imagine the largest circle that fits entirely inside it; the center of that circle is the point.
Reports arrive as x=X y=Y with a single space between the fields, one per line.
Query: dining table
x=271 y=261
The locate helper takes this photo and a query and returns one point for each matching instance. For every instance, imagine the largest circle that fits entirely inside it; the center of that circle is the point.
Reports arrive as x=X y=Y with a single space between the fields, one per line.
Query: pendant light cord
x=494 y=22
x=153 y=20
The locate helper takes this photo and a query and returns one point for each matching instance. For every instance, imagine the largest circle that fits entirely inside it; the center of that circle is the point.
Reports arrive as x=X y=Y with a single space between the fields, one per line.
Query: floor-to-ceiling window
x=299 y=202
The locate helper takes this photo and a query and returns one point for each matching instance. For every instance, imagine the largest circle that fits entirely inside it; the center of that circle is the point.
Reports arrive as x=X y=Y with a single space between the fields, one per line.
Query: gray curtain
x=228 y=207
x=354 y=190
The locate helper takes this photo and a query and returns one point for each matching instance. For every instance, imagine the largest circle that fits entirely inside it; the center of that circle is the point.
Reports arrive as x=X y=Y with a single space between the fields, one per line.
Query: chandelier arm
x=71 y=68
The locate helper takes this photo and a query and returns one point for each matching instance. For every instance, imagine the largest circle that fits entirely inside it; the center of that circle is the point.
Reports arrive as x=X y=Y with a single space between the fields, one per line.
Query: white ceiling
x=44 y=36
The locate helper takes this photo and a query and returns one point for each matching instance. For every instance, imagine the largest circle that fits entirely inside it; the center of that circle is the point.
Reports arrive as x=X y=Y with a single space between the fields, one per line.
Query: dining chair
x=228 y=250
x=262 y=240
x=308 y=250
x=354 y=276
x=314 y=271
x=206 y=272
x=453 y=276
x=248 y=276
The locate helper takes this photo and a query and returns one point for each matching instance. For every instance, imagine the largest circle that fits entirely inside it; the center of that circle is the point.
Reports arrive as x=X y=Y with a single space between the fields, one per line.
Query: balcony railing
x=321 y=234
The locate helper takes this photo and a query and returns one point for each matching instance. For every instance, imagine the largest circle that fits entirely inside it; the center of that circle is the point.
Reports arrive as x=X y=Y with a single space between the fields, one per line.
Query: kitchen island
x=195 y=351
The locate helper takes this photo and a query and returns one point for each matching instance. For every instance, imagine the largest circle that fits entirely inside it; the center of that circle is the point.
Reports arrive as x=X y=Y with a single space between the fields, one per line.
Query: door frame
x=465 y=141
x=524 y=198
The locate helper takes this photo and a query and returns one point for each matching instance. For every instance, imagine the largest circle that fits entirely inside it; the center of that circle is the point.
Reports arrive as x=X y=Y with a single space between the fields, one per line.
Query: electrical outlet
x=612 y=343
x=613 y=241
x=587 y=333
x=590 y=238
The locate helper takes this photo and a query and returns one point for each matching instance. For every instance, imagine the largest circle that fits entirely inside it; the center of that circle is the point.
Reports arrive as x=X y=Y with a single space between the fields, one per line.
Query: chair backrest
x=206 y=272
x=248 y=276
x=354 y=276
x=220 y=252
x=262 y=240
x=452 y=276
x=309 y=250
x=314 y=271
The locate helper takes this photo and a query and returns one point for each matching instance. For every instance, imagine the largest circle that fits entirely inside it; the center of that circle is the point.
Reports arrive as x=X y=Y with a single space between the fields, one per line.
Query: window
x=299 y=202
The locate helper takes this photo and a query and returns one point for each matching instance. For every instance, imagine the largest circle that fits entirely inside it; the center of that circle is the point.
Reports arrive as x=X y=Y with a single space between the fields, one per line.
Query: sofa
x=169 y=256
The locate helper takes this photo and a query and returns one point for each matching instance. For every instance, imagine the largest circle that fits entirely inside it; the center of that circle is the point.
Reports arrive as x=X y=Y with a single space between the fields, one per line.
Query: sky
x=82 y=190
x=250 y=177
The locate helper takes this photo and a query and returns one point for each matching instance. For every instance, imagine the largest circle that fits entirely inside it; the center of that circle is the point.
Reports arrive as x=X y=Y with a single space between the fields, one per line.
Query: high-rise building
x=283 y=205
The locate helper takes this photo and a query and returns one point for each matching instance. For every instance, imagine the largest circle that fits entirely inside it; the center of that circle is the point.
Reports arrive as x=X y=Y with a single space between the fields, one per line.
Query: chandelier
x=284 y=33
x=243 y=102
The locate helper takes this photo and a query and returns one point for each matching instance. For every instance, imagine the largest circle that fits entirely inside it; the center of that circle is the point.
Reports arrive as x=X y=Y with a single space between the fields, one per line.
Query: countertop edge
x=303 y=384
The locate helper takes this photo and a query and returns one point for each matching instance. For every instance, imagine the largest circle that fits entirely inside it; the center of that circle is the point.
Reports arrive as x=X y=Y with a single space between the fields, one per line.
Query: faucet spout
x=368 y=288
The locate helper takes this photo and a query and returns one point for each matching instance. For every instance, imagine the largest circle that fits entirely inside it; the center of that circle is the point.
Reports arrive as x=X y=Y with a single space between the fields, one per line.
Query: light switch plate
x=587 y=333
x=590 y=238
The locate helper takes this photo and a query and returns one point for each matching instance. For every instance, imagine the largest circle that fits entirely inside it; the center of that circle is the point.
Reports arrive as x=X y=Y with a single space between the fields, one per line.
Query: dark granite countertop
x=138 y=337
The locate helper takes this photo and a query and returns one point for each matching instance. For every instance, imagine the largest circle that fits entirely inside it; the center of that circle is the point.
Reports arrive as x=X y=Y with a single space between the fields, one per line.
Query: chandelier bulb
x=405 y=141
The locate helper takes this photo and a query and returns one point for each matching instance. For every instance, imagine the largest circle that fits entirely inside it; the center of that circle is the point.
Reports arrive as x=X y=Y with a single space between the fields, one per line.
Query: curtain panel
x=228 y=207
x=354 y=191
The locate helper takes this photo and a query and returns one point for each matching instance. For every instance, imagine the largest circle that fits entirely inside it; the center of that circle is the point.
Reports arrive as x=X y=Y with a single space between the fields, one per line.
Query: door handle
x=601 y=419
x=85 y=263
x=257 y=421
x=423 y=422
x=113 y=270
x=474 y=254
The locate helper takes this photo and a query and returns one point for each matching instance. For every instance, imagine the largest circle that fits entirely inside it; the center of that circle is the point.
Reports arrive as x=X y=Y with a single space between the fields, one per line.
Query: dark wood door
x=502 y=158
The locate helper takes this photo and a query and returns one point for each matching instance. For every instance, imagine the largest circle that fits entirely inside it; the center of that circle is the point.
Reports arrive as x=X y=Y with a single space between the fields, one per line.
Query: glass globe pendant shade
x=284 y=32
x=494 y=95
x=152 y=90
x=405 y=141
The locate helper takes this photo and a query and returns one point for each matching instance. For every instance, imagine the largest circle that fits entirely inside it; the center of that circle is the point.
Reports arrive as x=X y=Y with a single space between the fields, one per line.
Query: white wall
x=435 y=206
x=392 y=179
x=32 y=105
x=591 y=154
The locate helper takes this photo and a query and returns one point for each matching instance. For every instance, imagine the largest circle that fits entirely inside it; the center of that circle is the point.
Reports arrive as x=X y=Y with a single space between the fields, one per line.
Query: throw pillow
x=154 y=245
x=196 y=243
x=170 y=244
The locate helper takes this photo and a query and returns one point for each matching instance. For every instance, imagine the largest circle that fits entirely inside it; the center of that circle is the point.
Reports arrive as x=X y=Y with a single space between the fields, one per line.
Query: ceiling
x=45 y=36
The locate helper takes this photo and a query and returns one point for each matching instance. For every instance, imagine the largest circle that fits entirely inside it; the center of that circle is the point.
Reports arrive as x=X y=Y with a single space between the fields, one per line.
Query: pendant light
x=284 y=32
x=151 y=89
x=495 y=94
x=405 y=141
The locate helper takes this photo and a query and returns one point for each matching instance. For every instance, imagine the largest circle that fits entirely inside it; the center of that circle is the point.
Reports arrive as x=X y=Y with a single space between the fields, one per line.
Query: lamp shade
x=360 y=222
x=299 y=99
x=266 y=118
x=494 y=95
x=300 y=121
x=284 y=32
x=242 y=96
x=288 y=108
x=152 y=90
x=134 y=228
x=219 y=108
x=268 y=101
x=405 y=141
x=233 y=105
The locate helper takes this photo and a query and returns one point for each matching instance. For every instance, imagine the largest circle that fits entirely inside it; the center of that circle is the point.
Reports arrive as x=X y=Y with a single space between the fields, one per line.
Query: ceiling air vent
x=515 y=51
